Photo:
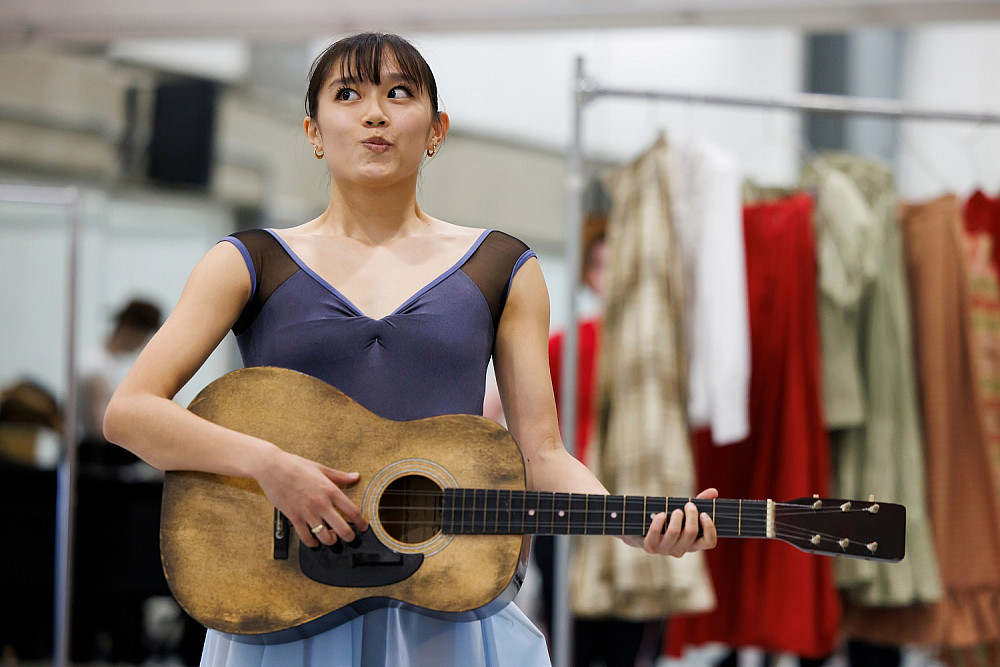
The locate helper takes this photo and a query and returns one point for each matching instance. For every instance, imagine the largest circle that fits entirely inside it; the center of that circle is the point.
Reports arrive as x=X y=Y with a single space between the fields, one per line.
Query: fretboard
x=506 y=512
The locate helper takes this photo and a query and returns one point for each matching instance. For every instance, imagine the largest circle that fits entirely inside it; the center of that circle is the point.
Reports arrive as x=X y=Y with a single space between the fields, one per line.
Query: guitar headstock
x=839 y=527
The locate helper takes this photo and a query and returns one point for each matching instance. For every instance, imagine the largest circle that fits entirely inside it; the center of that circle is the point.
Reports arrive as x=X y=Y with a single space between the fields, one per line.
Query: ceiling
x=103 y=20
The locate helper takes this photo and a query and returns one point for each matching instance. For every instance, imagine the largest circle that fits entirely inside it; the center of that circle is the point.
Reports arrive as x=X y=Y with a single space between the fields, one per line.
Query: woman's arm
x=522 y=370
x=143 y=418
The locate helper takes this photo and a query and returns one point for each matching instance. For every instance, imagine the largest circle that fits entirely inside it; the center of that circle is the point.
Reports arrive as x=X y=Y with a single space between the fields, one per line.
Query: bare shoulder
x=222 y=273
x=457 y=235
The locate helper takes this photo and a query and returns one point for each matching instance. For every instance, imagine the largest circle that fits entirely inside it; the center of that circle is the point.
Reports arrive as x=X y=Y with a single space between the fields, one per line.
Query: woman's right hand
x=309 y=495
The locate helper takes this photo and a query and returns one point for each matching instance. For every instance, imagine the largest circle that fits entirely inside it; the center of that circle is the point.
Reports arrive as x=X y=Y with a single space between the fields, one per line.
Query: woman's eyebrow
x=389 y=78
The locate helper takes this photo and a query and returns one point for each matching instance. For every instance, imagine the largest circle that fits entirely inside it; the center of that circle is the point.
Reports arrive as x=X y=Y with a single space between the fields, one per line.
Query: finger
x=347 y=510
x=322 y=531
x=708 y=494
x=709 y=536
x=344 y=505
x=305 y=533
x=654 y=535
x=671 y=533
x=339 y=528
x=688 y=532
x=339 y=476
x=692 y=524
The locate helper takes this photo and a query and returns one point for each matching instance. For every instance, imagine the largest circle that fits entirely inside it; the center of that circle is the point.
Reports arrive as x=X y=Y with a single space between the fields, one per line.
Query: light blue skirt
x=394 y=637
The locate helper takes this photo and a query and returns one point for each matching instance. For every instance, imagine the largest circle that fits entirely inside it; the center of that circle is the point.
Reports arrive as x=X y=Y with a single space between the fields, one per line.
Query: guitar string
x=802 y=537
x=830 y=507
x=726 y=510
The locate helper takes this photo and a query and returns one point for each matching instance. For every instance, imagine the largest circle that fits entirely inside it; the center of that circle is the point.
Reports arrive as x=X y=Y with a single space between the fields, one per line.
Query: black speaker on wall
x=181 y=148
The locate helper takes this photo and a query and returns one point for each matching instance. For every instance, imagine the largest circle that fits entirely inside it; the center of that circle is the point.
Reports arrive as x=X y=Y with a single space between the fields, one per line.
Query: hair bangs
x=360 y=59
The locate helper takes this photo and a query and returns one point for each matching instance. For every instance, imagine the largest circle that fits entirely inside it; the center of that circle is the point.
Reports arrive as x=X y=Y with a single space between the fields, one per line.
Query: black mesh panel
x=490 y=268
x=273 y=267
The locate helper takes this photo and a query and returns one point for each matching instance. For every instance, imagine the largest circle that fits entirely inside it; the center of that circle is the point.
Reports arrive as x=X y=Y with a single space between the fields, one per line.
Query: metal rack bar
x=813 y=102
x=69 y=198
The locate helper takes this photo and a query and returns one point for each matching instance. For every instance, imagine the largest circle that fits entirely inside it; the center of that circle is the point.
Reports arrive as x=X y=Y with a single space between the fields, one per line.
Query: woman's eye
x=347 y=95
x=400 y=92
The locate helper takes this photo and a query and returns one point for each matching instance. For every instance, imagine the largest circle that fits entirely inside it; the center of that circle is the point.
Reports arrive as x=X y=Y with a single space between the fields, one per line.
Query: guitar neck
x=507 y=512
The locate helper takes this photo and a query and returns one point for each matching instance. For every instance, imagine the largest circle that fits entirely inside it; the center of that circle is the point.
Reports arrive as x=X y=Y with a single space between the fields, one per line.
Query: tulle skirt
x=394 y=637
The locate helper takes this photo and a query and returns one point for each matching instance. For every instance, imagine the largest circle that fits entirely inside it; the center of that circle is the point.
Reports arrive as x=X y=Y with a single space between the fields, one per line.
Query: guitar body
x=217 y=533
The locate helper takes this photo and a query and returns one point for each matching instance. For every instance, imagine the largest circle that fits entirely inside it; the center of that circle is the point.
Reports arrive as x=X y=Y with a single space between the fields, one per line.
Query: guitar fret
x=561 y=514
x=614 y=511
x=655 y=505
x=545 y=513
x=466 y=522
x=531 y=507
x=445 y=508
x=635 y=515
x=486 y=511
x=517 y=511
x=506 y=495
x=472 y=506
x=578 y=509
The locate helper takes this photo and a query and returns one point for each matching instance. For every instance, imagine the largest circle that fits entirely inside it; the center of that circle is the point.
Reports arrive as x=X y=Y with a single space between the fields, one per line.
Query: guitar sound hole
x=410 y=509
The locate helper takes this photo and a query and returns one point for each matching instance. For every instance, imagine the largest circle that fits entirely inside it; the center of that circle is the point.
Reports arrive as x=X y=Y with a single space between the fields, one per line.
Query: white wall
x=519 y=86
x=952 y=67
x=132 y=246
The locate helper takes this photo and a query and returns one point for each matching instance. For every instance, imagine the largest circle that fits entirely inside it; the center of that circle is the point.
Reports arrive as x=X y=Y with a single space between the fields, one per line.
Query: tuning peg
x=816 y=539
x=846 y=506
x=818 y=503
x=844 y=543
x=872 y=546
x=873 y=508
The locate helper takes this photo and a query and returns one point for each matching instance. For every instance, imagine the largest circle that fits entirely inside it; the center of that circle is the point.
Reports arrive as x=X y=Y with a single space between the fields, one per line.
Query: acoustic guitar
x=449 y=516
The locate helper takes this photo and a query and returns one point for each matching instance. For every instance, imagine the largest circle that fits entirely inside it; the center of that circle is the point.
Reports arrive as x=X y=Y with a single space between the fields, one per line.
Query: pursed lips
x=377 y=144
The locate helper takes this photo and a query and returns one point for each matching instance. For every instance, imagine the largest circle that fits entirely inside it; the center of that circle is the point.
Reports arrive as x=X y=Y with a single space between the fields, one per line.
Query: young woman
x=399 y=310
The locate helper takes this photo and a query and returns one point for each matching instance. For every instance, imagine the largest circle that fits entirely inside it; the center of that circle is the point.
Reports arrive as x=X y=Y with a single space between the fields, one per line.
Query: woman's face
x=374 y=132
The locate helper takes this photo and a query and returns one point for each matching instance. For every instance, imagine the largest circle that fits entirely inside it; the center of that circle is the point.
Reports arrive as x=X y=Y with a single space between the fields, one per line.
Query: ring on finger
x=318 y=529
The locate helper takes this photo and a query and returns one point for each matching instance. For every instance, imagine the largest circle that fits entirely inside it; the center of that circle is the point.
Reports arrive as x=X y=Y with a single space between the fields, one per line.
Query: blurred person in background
x=102 y=369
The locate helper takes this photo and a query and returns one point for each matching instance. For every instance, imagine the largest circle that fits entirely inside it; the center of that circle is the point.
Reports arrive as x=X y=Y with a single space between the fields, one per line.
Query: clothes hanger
x=911 y=149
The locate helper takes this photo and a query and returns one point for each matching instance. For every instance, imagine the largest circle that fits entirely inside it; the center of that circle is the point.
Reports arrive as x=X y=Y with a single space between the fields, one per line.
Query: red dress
x=587 y=347
x=982 y=216
x=771 y=595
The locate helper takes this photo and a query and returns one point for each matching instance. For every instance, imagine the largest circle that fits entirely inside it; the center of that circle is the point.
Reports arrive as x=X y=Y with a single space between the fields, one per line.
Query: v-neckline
x=347 y=302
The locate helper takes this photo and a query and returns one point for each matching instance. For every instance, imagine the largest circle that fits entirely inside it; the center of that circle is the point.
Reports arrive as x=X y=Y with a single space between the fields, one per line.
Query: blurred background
x=181 y=122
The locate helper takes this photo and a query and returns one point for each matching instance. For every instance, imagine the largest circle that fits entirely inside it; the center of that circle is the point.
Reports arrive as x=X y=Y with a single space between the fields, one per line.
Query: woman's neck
x=374 y=215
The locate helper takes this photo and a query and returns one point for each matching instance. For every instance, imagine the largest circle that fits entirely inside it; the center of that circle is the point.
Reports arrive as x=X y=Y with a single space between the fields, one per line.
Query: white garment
x=707 y=200
x=97 y=362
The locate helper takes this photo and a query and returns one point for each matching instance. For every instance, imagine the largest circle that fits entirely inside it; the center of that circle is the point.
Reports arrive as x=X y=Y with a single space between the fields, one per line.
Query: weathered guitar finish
x=448 y=511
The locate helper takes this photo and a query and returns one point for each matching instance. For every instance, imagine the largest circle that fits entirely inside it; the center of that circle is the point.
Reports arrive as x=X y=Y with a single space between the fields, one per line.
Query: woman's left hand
x=681 y=533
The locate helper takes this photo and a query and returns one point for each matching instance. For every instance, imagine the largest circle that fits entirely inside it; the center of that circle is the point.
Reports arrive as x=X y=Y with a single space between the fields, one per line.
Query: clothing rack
x=585 y=91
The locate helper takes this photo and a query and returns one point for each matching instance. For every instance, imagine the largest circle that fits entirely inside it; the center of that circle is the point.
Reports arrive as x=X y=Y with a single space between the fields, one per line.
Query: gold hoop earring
x=318 y=152
x=432 y=150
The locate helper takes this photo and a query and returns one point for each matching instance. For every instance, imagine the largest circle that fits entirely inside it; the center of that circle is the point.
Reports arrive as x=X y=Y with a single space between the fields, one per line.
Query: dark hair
x=360 y=58
x=140 y=314
x=28 y=402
